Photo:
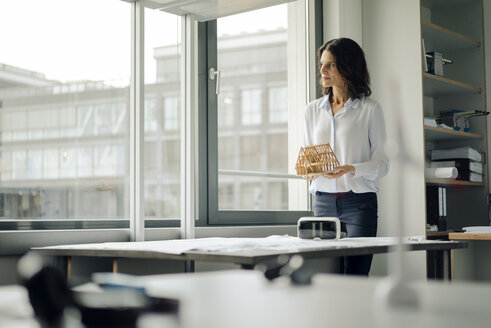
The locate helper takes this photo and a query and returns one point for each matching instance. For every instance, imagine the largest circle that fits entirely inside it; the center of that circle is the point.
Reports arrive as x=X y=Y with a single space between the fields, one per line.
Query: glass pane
x=253 y=113
x=64 y=105
x=251 y=106
x=162 y=119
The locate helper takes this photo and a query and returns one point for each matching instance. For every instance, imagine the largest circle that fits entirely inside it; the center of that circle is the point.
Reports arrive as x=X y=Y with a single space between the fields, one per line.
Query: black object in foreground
x=50 y=298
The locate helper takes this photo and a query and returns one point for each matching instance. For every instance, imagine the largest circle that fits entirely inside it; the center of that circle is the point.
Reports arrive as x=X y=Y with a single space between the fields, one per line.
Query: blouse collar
x=353 y=104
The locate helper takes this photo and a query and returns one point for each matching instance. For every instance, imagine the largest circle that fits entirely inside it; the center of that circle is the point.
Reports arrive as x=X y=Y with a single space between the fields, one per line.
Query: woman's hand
x=310 y=177
x=339 y=171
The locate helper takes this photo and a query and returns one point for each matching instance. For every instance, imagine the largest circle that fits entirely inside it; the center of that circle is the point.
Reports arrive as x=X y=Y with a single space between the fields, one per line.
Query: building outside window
x=171 y=113
x=64 y=110
x=152 y=117
x=278 y=105
x=251 y=107
x=162 y=173
x=226 y=112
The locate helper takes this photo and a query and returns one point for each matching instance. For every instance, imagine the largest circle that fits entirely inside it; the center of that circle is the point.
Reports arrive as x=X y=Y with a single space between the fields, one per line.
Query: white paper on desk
x=175 y=246
x=274 y=242
x=285 y=242
x=218 y=244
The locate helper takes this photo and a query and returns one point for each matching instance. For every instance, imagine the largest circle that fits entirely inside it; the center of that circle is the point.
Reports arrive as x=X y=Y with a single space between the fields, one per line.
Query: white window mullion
x=137 y=119
x=311 y=50
x=189 y=130
x=298 y=95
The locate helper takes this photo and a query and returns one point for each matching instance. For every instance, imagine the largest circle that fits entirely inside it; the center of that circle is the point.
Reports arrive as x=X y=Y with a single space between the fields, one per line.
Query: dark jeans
x=358 y=216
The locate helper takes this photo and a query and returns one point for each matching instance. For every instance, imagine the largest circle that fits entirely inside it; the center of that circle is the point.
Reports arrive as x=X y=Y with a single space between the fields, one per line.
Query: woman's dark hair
x=351 y=64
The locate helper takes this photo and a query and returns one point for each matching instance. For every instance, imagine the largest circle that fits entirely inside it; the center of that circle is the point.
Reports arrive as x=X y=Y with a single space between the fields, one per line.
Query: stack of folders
x=477 y=229
x=436 y=205
x=468 y=162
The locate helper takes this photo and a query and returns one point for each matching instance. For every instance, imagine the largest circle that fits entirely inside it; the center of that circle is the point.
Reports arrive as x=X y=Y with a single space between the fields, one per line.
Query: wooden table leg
x=68 y=269
x=448 y=266
x=451 y=265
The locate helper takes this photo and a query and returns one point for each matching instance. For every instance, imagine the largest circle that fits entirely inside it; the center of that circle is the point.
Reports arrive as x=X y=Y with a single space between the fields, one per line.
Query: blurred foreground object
x=55 y=305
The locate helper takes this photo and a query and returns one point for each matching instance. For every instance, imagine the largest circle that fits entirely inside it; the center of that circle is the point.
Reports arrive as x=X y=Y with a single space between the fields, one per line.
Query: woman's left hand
x=340 y=171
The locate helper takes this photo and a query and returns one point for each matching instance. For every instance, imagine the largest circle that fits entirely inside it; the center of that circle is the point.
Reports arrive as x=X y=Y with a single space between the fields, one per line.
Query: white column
x=343 y=18
x=137 y=103
x=189 y=126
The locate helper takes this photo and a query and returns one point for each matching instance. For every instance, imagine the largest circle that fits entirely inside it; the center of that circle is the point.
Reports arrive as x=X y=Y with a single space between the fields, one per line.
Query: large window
x=65 y=114
x=71 y=110
x=162 y=120
x=251 y=175
x=64 y=90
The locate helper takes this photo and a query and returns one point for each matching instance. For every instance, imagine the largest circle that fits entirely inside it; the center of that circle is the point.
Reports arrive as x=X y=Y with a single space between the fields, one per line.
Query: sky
x=70 y=40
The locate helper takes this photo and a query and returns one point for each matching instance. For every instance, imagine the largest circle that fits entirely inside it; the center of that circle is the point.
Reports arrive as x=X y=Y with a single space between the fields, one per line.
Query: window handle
x=212 y=73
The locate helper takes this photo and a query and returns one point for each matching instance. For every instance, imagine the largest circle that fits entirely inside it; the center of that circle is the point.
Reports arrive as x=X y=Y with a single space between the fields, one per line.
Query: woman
x=354 y=126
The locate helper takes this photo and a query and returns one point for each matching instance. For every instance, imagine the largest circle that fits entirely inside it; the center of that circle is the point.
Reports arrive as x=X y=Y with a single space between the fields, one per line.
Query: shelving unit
x=454 y=28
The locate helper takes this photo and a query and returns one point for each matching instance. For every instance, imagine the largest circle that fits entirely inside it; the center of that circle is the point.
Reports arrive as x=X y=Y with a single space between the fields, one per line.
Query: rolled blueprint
x=441 y=172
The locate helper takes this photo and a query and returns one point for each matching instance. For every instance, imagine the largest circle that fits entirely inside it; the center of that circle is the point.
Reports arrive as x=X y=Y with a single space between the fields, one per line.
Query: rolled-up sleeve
x=378 y=165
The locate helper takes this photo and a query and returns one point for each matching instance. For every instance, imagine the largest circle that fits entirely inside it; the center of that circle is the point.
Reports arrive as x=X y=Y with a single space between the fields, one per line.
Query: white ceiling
x=205 y=10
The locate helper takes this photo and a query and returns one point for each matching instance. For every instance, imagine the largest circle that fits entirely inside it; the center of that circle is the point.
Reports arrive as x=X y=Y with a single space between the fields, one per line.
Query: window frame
x=208 y=166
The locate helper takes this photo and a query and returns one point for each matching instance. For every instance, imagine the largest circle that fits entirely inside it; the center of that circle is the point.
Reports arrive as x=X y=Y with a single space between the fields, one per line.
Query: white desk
x=246 y=252
x=15 y=309
x=244 y=298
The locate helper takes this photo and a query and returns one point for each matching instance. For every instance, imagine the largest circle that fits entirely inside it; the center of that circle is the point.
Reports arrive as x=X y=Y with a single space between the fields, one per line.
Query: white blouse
x=357 y=136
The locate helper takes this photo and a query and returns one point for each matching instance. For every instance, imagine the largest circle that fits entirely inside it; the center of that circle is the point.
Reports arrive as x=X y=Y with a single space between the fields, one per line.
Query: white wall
x=389 y=32
x=343 y=18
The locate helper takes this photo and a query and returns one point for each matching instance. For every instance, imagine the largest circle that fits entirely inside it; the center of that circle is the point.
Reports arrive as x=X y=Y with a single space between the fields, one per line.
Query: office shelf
x=450 y=182
x=445 y=39
x=438 y=86
x=440 y=134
